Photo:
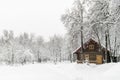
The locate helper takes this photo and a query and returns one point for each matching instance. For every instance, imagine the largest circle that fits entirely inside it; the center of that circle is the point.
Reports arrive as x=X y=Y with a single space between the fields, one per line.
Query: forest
x=97 y=19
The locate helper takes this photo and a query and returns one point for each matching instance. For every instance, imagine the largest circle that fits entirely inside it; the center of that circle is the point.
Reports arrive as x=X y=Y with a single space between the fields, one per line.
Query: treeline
x=27 y=48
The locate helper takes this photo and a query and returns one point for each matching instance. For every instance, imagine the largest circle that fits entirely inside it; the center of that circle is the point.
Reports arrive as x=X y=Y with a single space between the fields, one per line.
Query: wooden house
x=92 y=52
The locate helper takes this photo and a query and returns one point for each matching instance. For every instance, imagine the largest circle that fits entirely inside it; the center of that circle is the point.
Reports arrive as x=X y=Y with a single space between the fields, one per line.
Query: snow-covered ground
x=61 y=71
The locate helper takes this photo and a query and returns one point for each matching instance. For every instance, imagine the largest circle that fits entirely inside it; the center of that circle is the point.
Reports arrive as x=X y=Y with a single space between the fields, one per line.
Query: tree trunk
x=12 y=57
x=115 y=48
x=106 y=34
x=110 y=46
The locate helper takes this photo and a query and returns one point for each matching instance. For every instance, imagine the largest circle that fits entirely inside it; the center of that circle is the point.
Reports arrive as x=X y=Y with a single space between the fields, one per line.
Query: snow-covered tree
x=74 y=20
x=55 y=47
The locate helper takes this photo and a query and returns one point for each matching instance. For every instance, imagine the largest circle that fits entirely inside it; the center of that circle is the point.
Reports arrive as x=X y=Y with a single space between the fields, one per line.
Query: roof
x=89 y=41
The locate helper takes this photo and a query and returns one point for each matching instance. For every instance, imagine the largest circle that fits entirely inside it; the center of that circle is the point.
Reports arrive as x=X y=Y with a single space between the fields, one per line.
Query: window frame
x=91 y=47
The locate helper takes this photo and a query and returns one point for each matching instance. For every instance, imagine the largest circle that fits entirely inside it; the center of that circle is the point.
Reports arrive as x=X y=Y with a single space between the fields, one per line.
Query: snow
x=61 y=71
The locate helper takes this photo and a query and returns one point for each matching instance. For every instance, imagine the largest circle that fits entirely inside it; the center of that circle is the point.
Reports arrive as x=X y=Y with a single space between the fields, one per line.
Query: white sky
x=41 y=17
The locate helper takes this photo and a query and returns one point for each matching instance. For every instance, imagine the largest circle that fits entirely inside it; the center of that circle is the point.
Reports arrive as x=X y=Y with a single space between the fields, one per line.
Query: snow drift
x=61 y=71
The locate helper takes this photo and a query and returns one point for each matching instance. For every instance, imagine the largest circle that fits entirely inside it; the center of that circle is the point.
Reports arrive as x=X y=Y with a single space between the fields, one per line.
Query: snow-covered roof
x=87 y=42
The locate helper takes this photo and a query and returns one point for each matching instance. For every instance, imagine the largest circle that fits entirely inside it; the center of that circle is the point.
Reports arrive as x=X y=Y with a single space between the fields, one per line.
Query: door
x=99 y=59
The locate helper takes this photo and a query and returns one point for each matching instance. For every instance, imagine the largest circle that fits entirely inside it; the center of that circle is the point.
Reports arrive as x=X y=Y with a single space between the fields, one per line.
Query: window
x=91 y=47
x=86 y=56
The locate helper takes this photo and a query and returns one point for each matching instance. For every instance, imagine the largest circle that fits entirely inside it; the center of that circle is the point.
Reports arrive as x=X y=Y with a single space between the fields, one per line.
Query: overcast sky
x=41 y=17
